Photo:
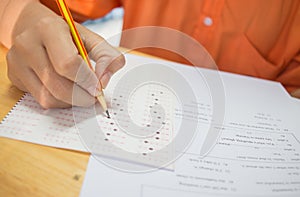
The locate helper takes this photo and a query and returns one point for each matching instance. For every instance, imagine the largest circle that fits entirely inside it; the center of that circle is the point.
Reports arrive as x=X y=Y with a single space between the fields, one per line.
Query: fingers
x=109 y=62
x=61 y=88
x=64 y=56
x=31 y=82
x=45 y=61
x=296 y=93
x=108 y=59
x=41 y=93
x=14 y=79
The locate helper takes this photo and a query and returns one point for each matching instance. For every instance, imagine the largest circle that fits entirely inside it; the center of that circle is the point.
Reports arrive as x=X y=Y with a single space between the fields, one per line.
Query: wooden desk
x=33 y=170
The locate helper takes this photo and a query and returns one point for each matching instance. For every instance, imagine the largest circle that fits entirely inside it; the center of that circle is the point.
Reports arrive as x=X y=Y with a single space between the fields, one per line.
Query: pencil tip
x=108 y=116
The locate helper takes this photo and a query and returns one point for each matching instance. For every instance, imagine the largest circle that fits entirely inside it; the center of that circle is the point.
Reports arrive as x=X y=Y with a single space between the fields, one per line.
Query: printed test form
x=244 y=162
x=255 y=151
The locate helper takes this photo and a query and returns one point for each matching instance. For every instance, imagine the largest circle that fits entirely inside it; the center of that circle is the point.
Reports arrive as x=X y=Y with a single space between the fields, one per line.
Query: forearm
x=10 y=11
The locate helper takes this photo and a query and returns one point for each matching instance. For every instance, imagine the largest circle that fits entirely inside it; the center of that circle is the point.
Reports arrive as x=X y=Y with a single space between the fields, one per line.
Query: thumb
x=108 y=59
x=296 y=93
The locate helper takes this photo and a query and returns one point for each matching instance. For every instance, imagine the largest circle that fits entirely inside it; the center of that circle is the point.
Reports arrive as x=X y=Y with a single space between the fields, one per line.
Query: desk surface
x=33 y=170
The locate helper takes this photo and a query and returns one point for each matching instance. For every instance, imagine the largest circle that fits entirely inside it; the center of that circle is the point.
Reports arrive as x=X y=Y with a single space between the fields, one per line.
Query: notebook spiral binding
x=10 y=111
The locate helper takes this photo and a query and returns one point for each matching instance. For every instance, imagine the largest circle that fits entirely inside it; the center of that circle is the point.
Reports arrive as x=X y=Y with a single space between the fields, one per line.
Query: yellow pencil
x=65 y=12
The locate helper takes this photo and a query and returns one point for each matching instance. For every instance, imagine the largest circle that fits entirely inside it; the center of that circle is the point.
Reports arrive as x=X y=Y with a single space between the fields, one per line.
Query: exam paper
x=259 y=159
x=256 y=151
x=247 y=160
x=196 y=176
x=199 y=112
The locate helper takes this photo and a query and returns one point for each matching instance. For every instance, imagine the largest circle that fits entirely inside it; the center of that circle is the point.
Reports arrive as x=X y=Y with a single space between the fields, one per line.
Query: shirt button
x=208 y=21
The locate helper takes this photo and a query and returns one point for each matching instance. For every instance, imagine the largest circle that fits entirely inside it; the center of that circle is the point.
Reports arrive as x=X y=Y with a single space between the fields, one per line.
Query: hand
x=296 y=93
x=44 y=61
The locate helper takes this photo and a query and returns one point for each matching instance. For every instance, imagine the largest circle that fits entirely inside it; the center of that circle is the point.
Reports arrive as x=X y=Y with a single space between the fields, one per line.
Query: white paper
x=247 y=128
x=254 y=151
x=196 y=176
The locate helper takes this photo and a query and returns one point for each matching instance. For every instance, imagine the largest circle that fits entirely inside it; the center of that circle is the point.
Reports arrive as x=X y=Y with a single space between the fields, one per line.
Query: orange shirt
x=258 y=38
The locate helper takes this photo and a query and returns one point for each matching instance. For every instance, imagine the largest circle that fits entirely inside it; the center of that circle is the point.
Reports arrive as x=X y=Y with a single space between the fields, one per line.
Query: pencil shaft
x=65 y=12
x=69 y=19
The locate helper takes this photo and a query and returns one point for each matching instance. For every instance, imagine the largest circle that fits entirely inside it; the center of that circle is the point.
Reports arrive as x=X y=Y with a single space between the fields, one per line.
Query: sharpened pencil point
x=108 y=116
